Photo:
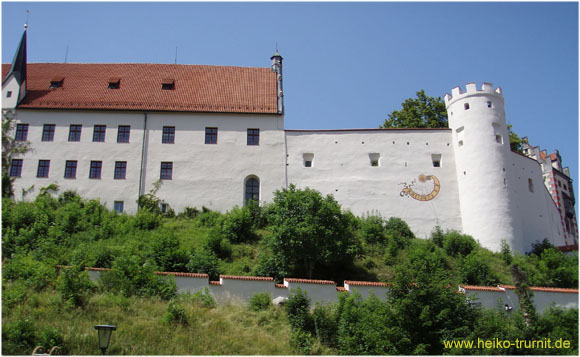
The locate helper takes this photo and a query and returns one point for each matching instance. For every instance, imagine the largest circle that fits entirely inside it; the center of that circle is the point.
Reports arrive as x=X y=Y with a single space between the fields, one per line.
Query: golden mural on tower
x=425 y=188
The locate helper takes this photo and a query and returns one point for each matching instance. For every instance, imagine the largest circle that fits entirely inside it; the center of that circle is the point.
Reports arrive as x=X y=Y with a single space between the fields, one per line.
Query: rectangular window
x=95 y=172
x=16 y=168
x=99 y=133
x=211 y=135
x=120 y=170
x=530 y=185
x=168 y=135
x=43 y=168
x=48 y=132
x=70 y=169
x=166 y=171
x=436 y=159
x=253 y=136
x=119 y=206
x=123 y=133
x=21 y=132
x=374 y=157
x=308 y=158
x=74 y=133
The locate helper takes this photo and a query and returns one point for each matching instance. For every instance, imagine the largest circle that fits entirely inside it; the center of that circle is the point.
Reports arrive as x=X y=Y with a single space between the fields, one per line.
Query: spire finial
x=26 y=23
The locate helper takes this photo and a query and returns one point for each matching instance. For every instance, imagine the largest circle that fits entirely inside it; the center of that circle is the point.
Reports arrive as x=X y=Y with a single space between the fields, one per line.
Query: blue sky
x=346 y=65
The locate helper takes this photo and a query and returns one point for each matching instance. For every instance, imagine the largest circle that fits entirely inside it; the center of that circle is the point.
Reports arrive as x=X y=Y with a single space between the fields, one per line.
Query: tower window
x=308 y=158
x=167 y=84
x=499 y=139
x=114 y=83
x=436 y=159
x=466 y=106
x=375 y=159
x=488 y=104
x=531 y=185
x=9 y=94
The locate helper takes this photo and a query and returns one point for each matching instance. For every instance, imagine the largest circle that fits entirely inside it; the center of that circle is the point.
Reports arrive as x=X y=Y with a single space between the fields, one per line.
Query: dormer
x=167 y=84
x=56 y=82
x=114 y=83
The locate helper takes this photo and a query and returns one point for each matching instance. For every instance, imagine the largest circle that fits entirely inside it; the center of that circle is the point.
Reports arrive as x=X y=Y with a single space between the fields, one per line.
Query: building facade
x=214 y=136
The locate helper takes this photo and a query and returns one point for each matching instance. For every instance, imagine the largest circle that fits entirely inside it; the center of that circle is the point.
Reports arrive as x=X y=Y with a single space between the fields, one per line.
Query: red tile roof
x=366 y=283
x=511 y=287
x=214 y=283
x=309 y=281
x=340 y=288
x=186 y=275
x=213 y=89
x=281 y=286
x=255 y=278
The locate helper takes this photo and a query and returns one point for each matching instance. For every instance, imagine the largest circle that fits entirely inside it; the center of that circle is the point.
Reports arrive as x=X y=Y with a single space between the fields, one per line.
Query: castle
x=214 y=136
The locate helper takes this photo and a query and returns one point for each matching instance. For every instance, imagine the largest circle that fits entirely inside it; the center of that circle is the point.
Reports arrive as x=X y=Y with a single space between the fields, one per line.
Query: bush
x=188 y=213
x=74 y=286
x=301 y=342
x=175 y=313
x=298 y=309
x=372 y=228
x=218 y=245
x=207 y=217
x=146 y=221
x=260 y=301
x=458 y=244
x=325 y=318
x=200 y=298
x=18 y=337
x=204 y=261
x=475 y=270
x=166 y=252
x=13 y=294
x=236 y=225
x=49 y=337
x=31 y=272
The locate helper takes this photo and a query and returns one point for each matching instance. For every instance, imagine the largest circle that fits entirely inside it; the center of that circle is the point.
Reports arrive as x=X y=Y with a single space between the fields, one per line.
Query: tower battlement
x=470 y=89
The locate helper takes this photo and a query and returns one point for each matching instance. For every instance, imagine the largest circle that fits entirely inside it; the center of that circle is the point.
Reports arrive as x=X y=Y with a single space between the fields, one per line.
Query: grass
x=142 y=329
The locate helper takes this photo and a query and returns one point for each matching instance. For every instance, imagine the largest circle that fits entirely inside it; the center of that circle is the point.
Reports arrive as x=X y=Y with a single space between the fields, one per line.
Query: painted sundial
x=424 y=188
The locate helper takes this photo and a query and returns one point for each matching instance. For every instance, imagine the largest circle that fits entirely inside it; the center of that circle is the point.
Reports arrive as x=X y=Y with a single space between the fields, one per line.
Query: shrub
x=236 y=225
x=146 y=221
x=218 y=245
x=204 y=261
x=31 y=272
x=207 y=217
x=506 y=253
x=189 y=213
x=325 y=318
x=74 y=286
x=49 y=337
x=301 y=342
x=372 y=228
x=13 y=294
x=458 y=244
x=18 y=337
x=175 y=313
x=260 y=301
x=200 y=298
x=475 y=270
x=166 y=252
x=298 y=309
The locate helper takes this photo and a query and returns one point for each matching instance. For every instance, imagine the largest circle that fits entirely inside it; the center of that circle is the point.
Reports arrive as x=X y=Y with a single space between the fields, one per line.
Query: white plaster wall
x=213 y=175
x=12 y=86
x=242 y=290
x=342 y=167
x=543 y=300
x=322 y=293
x=190 y=284
x=481 y=163
x=365 y=291
x=60 y=150
x=536 y=216
x=494 y=299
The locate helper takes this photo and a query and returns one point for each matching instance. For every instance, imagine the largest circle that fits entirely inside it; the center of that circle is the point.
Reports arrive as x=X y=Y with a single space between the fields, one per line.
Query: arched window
x=252 y=192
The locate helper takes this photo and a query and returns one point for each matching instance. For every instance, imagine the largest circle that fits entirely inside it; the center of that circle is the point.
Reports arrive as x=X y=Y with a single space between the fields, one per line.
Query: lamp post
x=105 y=332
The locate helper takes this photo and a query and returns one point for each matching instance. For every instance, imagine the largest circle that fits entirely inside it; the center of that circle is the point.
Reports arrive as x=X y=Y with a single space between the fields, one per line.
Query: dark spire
x=18 y=68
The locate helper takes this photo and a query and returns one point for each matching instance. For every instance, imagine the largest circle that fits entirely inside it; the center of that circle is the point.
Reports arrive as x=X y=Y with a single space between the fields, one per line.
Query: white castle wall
x=58 y=151
x=341 y=166
x=239 y=289
x=203 y=174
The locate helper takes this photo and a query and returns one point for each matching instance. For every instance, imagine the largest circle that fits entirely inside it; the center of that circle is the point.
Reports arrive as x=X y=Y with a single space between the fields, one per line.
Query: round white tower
x=482 y=147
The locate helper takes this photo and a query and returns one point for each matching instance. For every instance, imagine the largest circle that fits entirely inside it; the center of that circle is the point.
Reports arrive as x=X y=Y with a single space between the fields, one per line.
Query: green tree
x=309 y=230
x=423 y=112
x=10 y=149
x=515 y=141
